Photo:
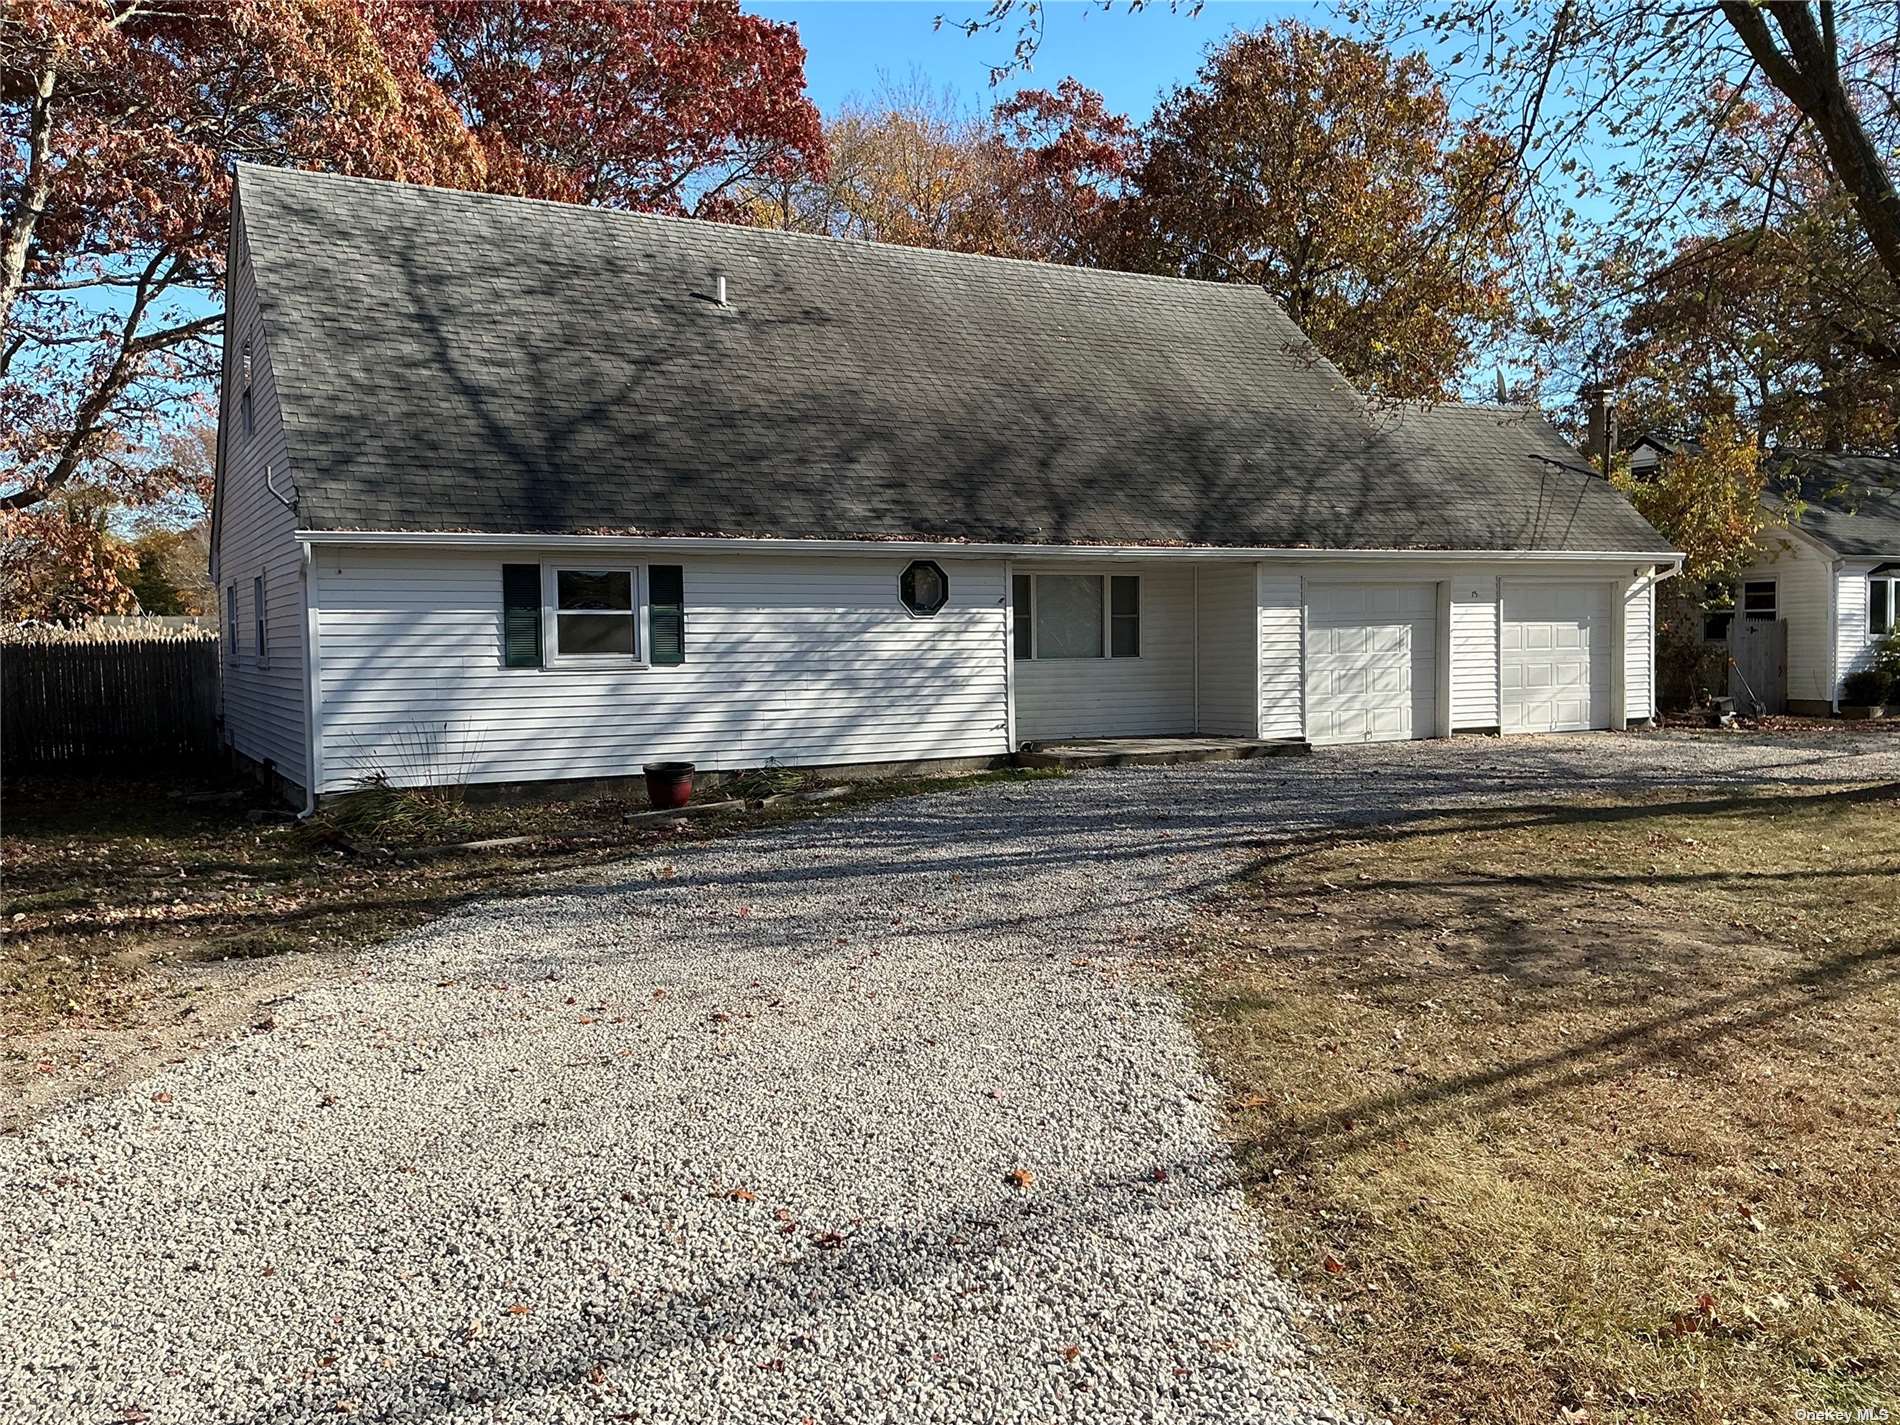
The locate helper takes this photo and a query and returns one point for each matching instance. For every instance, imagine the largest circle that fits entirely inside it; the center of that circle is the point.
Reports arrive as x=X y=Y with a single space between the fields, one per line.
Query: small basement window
x=1758 y=599
x=1077 y=615
x=1883 y=600
x=594 y=614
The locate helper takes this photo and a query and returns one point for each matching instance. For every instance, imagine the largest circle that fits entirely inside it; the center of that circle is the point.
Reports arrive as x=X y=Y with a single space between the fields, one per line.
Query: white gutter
x=707 y=544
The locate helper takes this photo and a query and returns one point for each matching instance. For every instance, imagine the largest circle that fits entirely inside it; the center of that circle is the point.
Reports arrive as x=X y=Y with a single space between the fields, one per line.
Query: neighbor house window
x=230 y=621
x=1758 y=599
x=1883 y=600
x=595 y=613
x=1077 y=615
x=257 y=613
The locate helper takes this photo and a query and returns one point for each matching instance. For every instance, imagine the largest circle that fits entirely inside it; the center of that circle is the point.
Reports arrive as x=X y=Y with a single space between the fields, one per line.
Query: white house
x=1833 y=573
x=515 y=491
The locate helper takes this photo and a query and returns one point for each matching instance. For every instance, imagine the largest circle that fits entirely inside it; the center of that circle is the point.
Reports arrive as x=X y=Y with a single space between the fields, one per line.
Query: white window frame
x=1742 y=610
x=231 y=622
x=1892 y=581
x=551 y=655
x=260 y=617
x=1108 y=578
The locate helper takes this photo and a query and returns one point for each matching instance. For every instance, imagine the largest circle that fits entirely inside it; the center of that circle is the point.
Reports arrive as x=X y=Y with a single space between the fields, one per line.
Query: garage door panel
x=1371 y=662
x=1555 y=643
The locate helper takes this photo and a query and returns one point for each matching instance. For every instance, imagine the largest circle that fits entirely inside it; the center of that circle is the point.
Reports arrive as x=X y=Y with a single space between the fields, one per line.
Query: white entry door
x=1371 y=662
x=1556 y=656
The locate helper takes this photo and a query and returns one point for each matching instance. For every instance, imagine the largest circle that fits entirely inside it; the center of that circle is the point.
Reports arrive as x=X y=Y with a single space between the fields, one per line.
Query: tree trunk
x=1808 y=73
x=23 y=221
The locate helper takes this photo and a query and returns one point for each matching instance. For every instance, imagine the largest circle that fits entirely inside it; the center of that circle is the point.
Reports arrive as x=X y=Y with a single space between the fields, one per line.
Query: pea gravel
x=730 y=1134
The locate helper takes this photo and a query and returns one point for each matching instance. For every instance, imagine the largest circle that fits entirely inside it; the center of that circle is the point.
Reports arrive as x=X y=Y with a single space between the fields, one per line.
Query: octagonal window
x=924 y=587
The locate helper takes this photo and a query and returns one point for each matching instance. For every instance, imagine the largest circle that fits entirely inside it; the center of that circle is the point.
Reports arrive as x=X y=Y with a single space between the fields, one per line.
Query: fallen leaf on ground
x=1020 y=1178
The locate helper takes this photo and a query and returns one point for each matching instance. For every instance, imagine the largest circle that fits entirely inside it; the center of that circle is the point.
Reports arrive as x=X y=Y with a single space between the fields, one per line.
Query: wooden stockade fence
x=77 y=700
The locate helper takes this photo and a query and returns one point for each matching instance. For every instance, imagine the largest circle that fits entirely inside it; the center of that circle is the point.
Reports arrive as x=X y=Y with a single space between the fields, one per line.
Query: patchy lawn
x=1580 y=1112
x=145 y=920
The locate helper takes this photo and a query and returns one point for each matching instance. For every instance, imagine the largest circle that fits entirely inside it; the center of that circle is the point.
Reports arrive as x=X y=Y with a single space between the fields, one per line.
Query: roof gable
x=453 y=361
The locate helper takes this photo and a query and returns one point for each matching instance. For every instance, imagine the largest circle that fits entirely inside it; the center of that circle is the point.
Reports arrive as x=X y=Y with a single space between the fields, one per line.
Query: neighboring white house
x=516 y=491
x=1833 y=574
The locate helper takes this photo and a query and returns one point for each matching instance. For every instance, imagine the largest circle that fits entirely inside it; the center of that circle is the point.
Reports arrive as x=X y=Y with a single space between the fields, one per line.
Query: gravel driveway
x=725 y=1136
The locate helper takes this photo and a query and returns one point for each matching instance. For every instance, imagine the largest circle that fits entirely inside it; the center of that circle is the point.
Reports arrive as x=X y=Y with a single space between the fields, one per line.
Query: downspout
x=313 y=754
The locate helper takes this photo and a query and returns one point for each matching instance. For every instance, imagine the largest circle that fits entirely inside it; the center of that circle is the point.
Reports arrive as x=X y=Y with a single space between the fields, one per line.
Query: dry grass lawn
x=1580 y=1112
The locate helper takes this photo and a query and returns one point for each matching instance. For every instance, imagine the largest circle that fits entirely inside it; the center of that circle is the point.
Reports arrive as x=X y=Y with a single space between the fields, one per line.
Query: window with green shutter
x=521 y=615
x=666 y=613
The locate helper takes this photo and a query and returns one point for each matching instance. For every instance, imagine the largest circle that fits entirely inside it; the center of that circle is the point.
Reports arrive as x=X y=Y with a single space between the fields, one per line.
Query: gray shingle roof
x=1852 y=501
x=455 y=361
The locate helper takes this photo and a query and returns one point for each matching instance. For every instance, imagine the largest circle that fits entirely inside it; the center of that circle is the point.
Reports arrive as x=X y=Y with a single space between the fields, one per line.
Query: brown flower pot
x=669 y=784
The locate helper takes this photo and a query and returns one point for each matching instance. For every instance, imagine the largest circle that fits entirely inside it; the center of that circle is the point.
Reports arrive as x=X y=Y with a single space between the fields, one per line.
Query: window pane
x=594 y=633
x=1124 y=628
x=594 y=589
x=1758 y=599
x=1069 y=616
x=1880 y=605
x=1019 y=597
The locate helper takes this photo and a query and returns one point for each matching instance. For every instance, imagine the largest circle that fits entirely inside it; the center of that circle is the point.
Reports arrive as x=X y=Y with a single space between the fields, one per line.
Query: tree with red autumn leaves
x=122 y=119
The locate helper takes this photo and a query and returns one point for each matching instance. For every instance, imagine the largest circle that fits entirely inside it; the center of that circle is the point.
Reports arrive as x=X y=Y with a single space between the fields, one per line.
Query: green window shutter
x=521 y=615
x=666 y=613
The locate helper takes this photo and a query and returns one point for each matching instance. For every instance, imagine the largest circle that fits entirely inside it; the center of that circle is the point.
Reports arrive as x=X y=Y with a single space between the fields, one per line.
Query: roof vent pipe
x=719 y=287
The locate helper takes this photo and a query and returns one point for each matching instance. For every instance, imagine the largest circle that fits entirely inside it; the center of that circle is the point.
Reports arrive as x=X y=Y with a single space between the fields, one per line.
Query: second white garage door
x=1556 y=656
x=1371 y=662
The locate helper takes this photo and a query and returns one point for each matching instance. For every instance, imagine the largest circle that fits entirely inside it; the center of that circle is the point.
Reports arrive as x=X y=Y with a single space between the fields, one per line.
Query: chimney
x=1600 y=442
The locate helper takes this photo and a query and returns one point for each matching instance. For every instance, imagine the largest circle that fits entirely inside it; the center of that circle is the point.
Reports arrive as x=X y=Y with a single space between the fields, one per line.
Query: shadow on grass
x=1599 y=961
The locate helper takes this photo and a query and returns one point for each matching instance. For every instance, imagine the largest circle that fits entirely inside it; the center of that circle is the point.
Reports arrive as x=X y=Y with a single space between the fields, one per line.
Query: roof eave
x=956 y=549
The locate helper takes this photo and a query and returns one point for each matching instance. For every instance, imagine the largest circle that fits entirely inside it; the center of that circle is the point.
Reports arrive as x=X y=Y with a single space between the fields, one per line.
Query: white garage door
x=1556 y=656
x=1371 y=662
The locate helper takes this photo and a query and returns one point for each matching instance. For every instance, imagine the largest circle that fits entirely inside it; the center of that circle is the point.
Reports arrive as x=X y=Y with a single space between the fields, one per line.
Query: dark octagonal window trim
x=915 y=587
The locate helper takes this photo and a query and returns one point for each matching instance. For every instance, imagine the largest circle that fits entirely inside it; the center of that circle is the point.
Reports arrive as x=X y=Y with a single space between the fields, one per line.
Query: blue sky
x=1130 y=58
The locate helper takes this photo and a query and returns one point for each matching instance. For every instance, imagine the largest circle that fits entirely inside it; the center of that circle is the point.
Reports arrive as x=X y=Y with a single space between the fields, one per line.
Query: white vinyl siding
x=1229 y=681
x=1282 y=655
x=806 y=660
x=1474 y=653
x=1117 y=697
x=1805 y=602
x=1856 y=640
x=1639 y=652
x=264 y=698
